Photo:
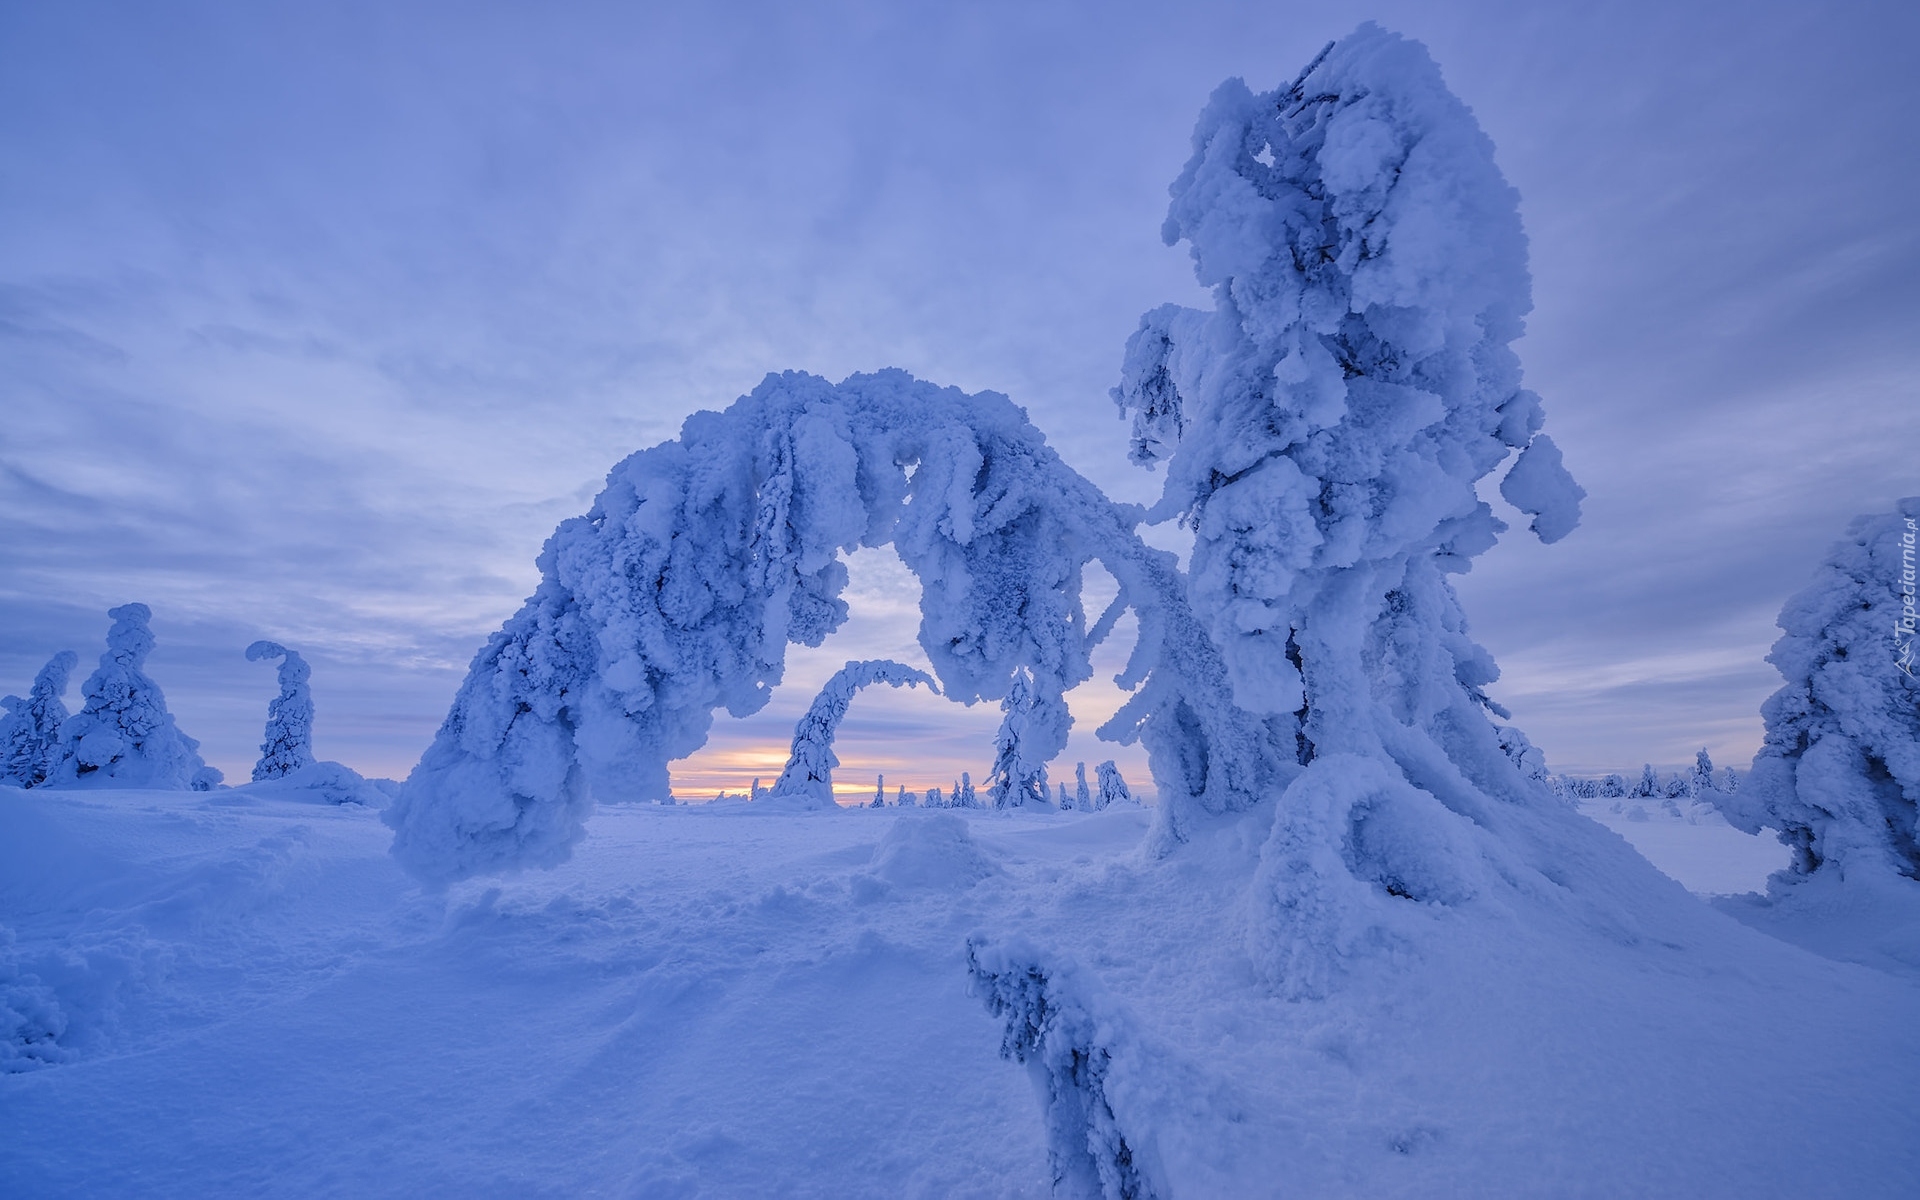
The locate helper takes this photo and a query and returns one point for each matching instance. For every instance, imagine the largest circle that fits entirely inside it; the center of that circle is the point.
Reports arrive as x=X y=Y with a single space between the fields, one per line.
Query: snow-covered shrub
x=704 y=557
x=1113 y=788
x=288 y=743
x=1838 y=774
x=30 y=732
x=809 y=770
x=1324 y=426
x=123 y=736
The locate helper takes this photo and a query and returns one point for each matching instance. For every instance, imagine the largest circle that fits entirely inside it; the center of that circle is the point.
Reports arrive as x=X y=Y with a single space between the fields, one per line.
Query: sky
x=316 y=319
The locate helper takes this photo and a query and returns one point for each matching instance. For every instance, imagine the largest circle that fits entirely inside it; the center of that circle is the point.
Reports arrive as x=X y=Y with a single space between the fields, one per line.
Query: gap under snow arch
x=705 y=557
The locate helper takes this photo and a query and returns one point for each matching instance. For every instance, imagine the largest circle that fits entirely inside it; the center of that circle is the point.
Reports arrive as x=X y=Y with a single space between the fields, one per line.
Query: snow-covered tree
x=810 y=764
x=1082 y=798
x=964 y=796
x=1648 y=785
x=1112 y=787
x=30 y=732
x=288 y=744
x=1702 y=778
x=879 y=792
x=1613 y=787
x=1527 y=758
x=1061 y=799
x=1337 y=406
x=123 y=736
x=1838 y=774
x=1020 y=773
x=1729 y=782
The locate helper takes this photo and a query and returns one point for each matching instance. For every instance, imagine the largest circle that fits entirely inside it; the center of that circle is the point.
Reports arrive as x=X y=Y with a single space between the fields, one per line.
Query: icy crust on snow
x=808 y=776
x=1839 y=772
x=123 y=736
x=680 y=590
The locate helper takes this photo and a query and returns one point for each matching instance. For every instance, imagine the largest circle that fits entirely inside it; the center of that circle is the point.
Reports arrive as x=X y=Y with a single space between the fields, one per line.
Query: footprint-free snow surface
x=238 y=994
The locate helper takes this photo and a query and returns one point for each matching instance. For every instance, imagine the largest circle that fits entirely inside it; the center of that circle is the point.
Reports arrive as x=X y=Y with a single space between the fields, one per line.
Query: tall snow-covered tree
x=1838 y=774
x=1082 y=798
x=879 y=792
x=30 y=732
x=964 y=796
x=1113 y=788
x=1337 y=406
x=810 y=763
x=288 y=743
x=1648 y=785
x=123 y=736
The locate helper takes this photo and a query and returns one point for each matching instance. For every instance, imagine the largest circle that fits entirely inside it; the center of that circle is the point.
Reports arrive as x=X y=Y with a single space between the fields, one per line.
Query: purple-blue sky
x=316 y=319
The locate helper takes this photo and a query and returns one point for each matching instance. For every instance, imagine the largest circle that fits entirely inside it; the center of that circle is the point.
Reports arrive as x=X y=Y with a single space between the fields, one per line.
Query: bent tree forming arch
x=809 y=771
x=705 y=557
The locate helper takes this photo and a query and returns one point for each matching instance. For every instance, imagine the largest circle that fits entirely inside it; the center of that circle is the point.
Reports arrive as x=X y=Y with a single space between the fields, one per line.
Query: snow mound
x=932 y=852
x=322 y=782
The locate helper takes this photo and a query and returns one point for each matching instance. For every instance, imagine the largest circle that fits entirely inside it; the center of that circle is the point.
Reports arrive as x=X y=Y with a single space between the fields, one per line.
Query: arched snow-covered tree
x=30 y=732
x=288 y=744
x=123 y=736
x=810 y=764
x=704 y=557
x=1838 y=774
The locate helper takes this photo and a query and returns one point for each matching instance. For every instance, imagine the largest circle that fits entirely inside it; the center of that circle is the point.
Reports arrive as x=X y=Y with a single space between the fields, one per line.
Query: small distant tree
x=1702 y=772
x=1613 y=787
x=288 y=745
x=1729 y=782
x=1018 y=779
x=1112 y=787
x=30 y=732
x=964 y=795
x=1648 y=785
x=901 y=799
x=1062 y=800
x=933 y=798
x=879 y=792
